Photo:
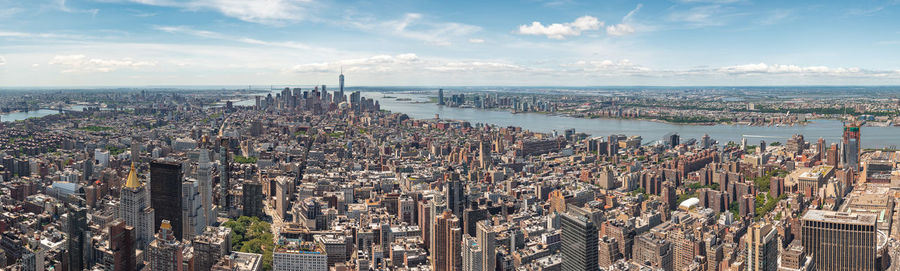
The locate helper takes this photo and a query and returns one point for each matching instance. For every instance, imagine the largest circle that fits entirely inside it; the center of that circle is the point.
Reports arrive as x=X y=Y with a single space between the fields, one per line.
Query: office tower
x=209 y=247
x=165 y=195
x=204 y=178
x=253 y=200
x=705 y=141
x=762 y=146
x=762 y=250
x=484 y=154
x=472 y=254
x=224 y=176
x=341 y=86
x=424 y=223
x=487 y=241
x=192 y=217
x=441 y=96
x=121 y=244
x=448 y=239
x=832 y=159
x=165 y=253
x=579 y=243
x=78 y=245
x=851 y=146
x=839 y=240
x=455 y=194
x=135 y=210
x=472 y=216
x=821 y=149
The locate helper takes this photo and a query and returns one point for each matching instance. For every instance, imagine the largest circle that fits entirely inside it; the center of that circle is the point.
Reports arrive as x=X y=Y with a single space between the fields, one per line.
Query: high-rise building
x=78 y=244
x=192 y=211
x=441 y=96
x=135 y=210
x=166 y=252
x=472 y=254
x=425 y=221
x=204 y=178
x=579 y=243
x=455 y=194
x=839 y=240
x=165 y=195
x=253 y=199
x=448 y=239
x=121 y=244
x=340 y=95
x=762 y=247
x=487 y=241
x=851 y=146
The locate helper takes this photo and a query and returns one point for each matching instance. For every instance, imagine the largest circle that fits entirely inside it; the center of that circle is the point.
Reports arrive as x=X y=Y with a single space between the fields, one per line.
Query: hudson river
x=419 y=107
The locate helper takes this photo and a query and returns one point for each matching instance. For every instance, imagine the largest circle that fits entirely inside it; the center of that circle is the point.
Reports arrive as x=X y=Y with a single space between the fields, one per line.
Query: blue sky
x=452 y=43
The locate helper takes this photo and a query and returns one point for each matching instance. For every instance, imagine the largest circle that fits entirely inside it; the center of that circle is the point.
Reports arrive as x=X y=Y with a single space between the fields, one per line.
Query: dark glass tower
x=165 y=194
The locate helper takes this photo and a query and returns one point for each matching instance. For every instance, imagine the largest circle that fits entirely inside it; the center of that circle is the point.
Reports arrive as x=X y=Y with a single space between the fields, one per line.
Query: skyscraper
x=78 y=240
x=487 y=241
x=840 y=241
x=135 y=210
x=455 y=194
x=204 y=178
x=851 y=146
x=121 y=244
x=579 y=243
x=253 y=199
x=340 y=96
x=762 y=250
x=165 y=253
x=165 y=195
x=192 y=211
x=472 y=254
x=440 y=96
x=448 y=239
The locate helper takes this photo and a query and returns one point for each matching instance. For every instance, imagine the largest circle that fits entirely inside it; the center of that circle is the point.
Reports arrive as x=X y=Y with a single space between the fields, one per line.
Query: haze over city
x=459 y=43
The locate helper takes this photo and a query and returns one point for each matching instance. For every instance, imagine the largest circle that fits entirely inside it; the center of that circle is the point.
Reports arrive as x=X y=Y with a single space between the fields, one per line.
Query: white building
x=302 y=256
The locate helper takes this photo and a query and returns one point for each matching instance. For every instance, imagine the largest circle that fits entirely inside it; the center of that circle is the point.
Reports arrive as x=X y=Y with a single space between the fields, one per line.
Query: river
x=419 y=107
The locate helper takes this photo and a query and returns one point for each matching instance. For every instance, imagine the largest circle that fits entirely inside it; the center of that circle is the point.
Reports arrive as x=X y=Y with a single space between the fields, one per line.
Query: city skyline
x=408 y=43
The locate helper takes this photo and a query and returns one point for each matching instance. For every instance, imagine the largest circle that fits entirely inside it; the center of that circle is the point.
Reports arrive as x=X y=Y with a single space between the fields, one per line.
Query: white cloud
x=476 y=41
x=619 y=30
x=416 y=26
x=467 y=66
x=9 y=34
x=255 y=11
x=701 y=16
x=2 y=61
x=608 y=66
x=378 y=63
x=61 y=5
x=561 y=31
x=763 y=68
x=220 y=36
x=625 y=27
x=81 y=63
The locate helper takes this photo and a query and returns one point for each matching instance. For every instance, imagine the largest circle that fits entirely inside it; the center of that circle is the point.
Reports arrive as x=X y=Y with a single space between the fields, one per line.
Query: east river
x=419 y=107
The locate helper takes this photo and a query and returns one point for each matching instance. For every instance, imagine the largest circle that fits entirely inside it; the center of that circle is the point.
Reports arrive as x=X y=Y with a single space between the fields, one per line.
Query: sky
x=48 y=43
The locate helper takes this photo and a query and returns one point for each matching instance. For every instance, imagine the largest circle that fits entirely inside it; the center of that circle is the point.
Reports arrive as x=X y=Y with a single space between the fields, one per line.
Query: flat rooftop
x=841 y=217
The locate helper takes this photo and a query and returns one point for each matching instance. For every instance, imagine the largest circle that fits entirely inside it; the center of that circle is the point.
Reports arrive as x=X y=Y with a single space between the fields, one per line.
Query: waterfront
x=418 y=106
x=21 y=115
